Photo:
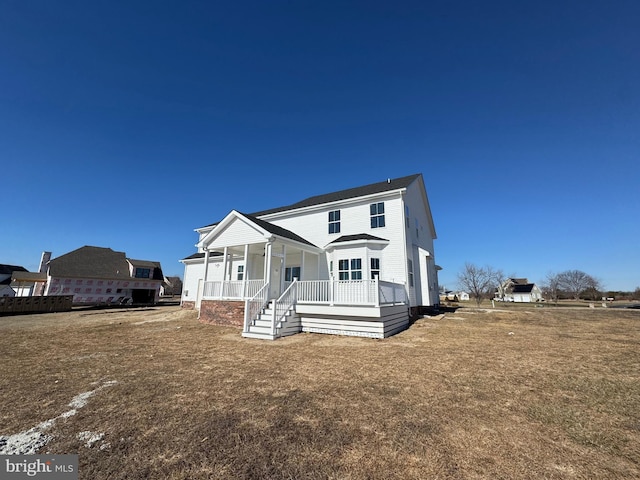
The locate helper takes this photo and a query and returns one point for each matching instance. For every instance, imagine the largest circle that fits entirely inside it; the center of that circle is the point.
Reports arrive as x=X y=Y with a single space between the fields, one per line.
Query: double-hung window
x=350 y=269
x=343 y=269
x=375 y=268
x=356 y=269
x=377 y=214
x=240 y=272
x=334 y=221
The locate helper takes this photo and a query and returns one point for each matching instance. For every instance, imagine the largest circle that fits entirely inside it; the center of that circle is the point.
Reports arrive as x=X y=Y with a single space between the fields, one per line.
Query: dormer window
x=143 y=272
x=377 y=214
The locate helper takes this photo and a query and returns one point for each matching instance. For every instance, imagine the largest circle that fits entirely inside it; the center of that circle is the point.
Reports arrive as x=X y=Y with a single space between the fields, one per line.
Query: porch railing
x=253 y=306
x=351 y=292
x=282 y=305
x=232 y=289
x=392 y=293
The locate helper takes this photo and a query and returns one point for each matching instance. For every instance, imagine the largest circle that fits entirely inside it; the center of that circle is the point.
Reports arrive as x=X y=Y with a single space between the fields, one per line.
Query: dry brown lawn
x=539 y=393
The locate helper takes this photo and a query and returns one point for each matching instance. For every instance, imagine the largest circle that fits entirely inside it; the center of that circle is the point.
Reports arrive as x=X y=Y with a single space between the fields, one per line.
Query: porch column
x=223 y=290
x=246 y=270
x=267 y=262
x=206 y=264
x=224 y=264
x=301 y=265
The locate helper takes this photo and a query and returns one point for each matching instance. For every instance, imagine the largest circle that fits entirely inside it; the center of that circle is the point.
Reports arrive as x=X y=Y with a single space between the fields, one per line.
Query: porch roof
x=278 y=231
x=267 y=230
x=359 y=236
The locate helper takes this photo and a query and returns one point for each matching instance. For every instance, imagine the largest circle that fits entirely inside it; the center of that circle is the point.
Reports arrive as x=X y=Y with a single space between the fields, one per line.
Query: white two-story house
x=354 y=262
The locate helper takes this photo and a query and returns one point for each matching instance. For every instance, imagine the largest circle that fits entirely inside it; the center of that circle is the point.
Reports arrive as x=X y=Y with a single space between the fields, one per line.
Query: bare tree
x=574 y=282
x=551 y=286
x=480 y=282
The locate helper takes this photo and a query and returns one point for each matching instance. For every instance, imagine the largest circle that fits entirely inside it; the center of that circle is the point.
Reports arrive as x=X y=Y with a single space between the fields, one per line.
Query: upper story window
x=334 y=221
x=240 y=272
x=377 y=215
x=143 y=273
x=406 y=216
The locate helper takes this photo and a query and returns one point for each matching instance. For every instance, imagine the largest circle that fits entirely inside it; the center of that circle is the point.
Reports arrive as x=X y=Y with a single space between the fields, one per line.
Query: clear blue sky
x=127 y=124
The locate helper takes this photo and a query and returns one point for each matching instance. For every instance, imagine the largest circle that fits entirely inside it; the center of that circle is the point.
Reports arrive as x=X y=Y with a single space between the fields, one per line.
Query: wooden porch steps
x=261 y=326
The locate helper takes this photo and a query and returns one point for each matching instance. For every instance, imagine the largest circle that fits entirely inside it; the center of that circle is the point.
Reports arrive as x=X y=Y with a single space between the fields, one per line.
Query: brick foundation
x=222 y=312
x=189 y=305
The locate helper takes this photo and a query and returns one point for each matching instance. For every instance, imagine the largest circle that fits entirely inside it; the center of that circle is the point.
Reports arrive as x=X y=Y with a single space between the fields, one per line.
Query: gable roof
x=87 y=261
x=371 y=189
x=276 y=230
x=9 y=269
x=96 y=262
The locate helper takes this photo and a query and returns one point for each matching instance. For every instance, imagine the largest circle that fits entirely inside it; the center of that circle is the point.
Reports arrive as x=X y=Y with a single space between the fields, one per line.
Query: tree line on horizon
x=482 y=282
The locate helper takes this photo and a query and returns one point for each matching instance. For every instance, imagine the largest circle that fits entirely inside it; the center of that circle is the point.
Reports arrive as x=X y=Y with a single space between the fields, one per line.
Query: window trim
x=334 y=223
x=376 y=214
x=374 y=270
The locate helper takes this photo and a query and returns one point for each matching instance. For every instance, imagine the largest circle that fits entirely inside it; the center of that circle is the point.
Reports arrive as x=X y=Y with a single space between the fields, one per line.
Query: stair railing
x=253 y=306
x=283 y=304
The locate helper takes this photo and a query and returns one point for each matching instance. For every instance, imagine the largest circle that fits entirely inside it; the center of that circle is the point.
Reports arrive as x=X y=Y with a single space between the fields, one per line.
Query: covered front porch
x=275 y=281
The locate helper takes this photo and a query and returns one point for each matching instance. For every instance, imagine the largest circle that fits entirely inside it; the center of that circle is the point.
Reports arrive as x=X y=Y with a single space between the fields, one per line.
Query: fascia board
x=231 y=216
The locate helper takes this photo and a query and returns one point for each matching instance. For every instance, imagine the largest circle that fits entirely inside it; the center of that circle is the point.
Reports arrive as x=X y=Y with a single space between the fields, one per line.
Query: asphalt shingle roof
x=373 y=188
x=97 y=262
x=359 y=236
x=527 y=288
x=276 y=230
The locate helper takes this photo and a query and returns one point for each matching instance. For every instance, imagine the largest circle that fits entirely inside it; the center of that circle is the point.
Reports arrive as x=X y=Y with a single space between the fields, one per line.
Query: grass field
x=504 y=394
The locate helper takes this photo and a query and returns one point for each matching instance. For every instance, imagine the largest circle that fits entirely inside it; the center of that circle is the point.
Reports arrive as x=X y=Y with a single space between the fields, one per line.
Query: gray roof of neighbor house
x=93 y=262
x=8 y=270
x=520 y=288
x=373 y=188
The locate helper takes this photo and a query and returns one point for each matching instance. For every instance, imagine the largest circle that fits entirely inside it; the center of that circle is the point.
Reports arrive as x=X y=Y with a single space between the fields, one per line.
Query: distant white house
x=518 y=290
x=451 y=296
x=353 y=262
